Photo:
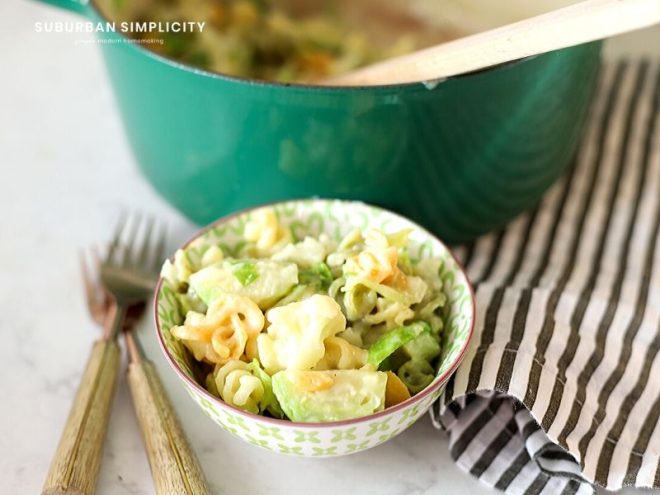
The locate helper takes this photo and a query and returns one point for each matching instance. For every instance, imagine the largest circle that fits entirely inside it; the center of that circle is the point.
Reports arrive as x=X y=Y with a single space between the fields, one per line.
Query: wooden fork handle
x=75 y=466
x=174 y=466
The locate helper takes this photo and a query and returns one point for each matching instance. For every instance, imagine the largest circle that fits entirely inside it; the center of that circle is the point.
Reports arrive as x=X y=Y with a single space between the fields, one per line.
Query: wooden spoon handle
x=573 y=25
x=75 y=466
x=174 y=466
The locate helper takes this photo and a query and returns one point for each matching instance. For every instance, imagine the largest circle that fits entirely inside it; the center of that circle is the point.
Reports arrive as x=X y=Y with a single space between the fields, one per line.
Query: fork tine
x=96 y=256
x=131 y=252
x=114 y=244
x=94 y=298
x=159 y=252
x=144 y=250
x=88 y=285
x=101 y=294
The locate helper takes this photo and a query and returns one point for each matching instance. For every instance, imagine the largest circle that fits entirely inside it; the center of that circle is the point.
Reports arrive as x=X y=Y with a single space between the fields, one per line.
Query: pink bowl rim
x=438 y=381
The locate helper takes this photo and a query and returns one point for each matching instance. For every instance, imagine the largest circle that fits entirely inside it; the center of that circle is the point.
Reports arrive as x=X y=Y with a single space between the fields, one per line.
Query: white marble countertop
x=65 y=172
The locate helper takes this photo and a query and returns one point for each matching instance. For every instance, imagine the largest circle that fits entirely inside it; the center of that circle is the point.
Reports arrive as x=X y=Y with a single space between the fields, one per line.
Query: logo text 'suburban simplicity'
x=123 y=27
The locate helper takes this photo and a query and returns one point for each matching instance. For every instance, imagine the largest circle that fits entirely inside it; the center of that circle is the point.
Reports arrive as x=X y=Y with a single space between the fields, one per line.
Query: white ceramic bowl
x=334 y=218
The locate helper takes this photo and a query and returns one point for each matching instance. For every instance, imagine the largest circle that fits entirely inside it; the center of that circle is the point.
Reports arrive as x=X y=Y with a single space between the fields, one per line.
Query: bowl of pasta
x=314 y=327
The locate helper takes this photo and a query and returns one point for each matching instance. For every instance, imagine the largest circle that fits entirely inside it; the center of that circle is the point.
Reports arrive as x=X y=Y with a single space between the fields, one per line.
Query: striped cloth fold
x=560 y=389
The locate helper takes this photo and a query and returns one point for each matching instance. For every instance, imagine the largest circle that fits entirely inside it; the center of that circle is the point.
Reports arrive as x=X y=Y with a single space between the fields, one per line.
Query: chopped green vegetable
x=315 y=280
x=416 y=374
x=320 y=396
x=385 y=364
x=245 y=272
x=319 y=274
x=425 y=347
x=269 y=401
x=395 y=338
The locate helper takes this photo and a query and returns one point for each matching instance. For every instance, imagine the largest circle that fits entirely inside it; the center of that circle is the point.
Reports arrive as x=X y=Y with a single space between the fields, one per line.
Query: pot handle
x=78 y=6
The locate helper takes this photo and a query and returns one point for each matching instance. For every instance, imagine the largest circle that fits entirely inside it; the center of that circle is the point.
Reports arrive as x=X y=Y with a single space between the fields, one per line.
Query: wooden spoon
x=569 y=26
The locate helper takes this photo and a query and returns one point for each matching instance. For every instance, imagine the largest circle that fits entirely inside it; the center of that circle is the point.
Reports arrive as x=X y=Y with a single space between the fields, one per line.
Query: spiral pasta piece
x=307 y=253
x=341 y=355
x=359 y=301
x=238 y=387
x=378 y=260
x=392 y=313
x=186 y=262
x=251 y=350
x=377 y=265
x=353 y=334
x=428 y=312
x=223 y=333
x=177 y=271
x=212 y=255
x=266 y=232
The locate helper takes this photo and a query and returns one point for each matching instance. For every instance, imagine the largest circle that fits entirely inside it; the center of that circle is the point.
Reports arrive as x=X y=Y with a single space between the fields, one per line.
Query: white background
x=65 y=172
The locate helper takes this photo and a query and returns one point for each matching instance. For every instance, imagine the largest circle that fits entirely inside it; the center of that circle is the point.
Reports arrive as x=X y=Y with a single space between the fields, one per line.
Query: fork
x=128 y=275
x=99 y=304
x=98 y=300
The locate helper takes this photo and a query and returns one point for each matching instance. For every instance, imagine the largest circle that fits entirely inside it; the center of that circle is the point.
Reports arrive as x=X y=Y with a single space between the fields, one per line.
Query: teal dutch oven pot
x=462 y=157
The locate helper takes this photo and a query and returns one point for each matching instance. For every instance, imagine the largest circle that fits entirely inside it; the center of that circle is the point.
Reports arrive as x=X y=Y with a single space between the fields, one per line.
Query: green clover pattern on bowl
x=334 y=218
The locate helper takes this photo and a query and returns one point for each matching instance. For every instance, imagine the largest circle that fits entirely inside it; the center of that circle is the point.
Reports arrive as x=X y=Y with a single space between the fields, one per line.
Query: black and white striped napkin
x=560 y=388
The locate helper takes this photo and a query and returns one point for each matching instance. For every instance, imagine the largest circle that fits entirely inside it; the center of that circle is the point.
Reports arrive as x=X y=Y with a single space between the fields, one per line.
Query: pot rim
x=429 y=84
